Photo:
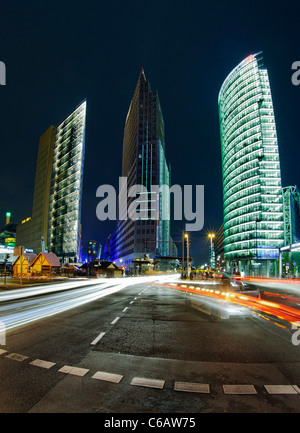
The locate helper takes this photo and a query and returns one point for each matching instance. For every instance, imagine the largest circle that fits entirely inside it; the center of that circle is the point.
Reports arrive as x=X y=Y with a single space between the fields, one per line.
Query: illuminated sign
x=10 y=242
x=27 y=219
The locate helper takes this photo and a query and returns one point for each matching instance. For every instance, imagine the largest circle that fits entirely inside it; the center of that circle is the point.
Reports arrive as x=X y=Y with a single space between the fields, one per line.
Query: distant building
x=33 y=231
x=7 y=241
x=8 y=232
x=219 y=247
x=252 y=193
x=291 y=212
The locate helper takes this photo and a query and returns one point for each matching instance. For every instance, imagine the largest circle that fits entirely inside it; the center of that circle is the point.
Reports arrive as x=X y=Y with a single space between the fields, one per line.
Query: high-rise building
x=55 y=221
x=64 y=228
x=291 y=212
x=144 y=163
x=252 y=194
x=32 y=232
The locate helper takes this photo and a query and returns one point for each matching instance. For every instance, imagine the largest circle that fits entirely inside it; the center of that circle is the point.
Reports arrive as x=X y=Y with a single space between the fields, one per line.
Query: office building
x=64 y=228
x=291 y=212
x=252 y=193
x=144 y=163
x=32 y=232
x=54 y=225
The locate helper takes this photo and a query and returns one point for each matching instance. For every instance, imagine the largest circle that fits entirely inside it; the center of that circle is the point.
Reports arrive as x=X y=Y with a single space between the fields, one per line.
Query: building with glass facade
x=252 y=193
x=33 y=231
x=64 y=227
x=291 y=212
x=144 y=163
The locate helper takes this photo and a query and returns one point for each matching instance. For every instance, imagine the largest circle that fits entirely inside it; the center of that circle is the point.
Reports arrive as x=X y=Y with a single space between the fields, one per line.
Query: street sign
x=18 y=251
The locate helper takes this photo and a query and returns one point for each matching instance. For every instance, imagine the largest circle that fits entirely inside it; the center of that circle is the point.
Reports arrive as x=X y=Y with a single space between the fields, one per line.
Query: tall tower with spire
x=144 y=163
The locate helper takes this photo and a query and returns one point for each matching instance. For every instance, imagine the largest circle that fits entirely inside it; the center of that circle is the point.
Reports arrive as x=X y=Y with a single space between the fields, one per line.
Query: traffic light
x=91 y=248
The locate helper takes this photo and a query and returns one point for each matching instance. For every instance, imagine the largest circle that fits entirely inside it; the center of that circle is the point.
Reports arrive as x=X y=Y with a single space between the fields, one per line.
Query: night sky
x=59 y=52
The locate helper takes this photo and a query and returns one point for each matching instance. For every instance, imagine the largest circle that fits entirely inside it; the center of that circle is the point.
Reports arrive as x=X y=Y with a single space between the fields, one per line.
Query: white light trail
x=22 y=306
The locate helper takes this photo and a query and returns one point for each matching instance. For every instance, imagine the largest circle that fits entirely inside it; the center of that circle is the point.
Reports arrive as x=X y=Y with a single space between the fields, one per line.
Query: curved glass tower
x=252 y=194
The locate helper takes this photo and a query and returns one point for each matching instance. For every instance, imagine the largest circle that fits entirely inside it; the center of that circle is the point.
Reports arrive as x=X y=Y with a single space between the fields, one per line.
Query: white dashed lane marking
x=97 y=339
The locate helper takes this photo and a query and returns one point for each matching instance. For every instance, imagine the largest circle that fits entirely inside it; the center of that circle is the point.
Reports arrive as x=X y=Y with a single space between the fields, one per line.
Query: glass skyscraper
x=64 y=230
x=144 y=163
x=252 y=193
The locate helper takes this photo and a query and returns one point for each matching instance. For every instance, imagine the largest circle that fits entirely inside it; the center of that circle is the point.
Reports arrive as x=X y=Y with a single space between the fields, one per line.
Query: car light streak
x=31 y=304
x=281 y=311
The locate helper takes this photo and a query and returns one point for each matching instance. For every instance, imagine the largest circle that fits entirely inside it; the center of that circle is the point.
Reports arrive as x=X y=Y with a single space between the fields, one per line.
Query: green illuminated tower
x=252 y=194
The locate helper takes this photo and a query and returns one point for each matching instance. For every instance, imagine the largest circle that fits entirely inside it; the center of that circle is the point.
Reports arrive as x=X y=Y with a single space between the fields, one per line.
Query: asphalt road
x=149 y=349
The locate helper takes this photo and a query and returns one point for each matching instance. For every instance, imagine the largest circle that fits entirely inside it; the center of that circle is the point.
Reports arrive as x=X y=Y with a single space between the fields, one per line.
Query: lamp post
x=182 y=265
x=212 y=264
x=187 y=237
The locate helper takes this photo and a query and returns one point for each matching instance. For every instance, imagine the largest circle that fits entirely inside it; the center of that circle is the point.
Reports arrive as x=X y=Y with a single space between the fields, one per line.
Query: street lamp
x=212 y=253
x=187 y=237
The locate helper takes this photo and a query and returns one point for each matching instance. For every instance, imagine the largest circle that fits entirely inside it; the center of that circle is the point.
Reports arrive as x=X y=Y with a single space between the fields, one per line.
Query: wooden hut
x=45 y=264
x=25 y=259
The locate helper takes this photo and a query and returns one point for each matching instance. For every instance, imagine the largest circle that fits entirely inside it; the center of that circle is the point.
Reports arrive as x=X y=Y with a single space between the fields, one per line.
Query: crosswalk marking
x=150 y=383
x=192 y=387
x=108 y=377
x=239 y=389
x=76 y=371
x=16 y=357
x=281 y=389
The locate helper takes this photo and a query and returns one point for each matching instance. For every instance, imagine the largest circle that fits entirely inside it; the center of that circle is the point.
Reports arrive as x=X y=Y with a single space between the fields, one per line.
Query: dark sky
x=59 y=52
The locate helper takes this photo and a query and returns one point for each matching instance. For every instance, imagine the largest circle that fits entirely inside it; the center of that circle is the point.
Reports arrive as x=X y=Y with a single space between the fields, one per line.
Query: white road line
x=16 y=357
x=125 y=309
x=97 y=338
x=131 y=302
x=115 y=320
x=281 y=389
x=192 y=387
x=296 y=388
x=150 y=383
x=239 y=389
x=76 y=371
x=108 y=377
x=43 y=364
